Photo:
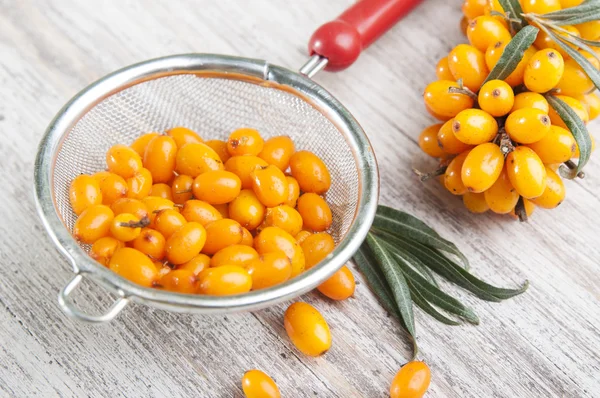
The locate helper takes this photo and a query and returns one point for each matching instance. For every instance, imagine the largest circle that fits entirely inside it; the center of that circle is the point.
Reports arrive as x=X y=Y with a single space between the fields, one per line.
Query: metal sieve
x=214 y=95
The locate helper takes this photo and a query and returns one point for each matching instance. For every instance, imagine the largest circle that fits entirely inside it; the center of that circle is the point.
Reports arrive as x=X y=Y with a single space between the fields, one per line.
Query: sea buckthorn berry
x=217 y=187
x=310 y=172
x=496 y=97
x=135 y=266
x=570 y=3
x=526 y=172
x=183 y=135
x=339 y=286
x=162 y=268
x=544 y=70
x=577 y=107
x=223 y=209
x=485 y=31
x=448 y=142
x=557 y=146
x=474 y=126
x=468 y=63
x=442 y=70
x=103 y=249
x=307 y=329
x=185 y=243
x=161 y=190
x=93 y=223
x=540 y=6
x=128 y=205
x=179 y=281
x=574 y=80
x=197 y=264
x=84 y=192
x=243 y=166
x=220 y=234
x=273 y=239
x=181 y=190
x=270 y=186
x=245 y=141
x=257 y=384
x=554 y=193
x=112 y=186
x=544 y=41
x=527 y=125
x=234 y=255
x=284 y=217
x=201 y=212
x=475 y=202
x=452 y=177
x=159 y=158
x=269 y=269
x=501 y=197
x=126 y=227
x=247 y=238
x=531 y=100
x=123 y=160
x=428 y=141
x=493 y=54
x=278 y=151
x=316 y=247
x=482 y=167
x=464 y=25
x=473 y=8
x=140 y=185
x=224 y=281
x=411 y=381
x=155 y=204
x=195 y=159
x=293 y=191
x=589 y=30
x=247 y=209
x=168 y=221
x=140 y=144
x=593 y=103
x=150 y=242
x=315 y=212
x=302 y=235
x=220 y=147
x=443 y=104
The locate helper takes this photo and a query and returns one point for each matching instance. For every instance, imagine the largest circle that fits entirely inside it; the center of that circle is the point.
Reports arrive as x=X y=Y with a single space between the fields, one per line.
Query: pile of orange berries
x=175 y=212
x=500 y=142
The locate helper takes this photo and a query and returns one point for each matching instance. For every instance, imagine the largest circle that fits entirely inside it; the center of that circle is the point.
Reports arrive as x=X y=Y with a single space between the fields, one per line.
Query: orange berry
x=126 y=227
x=134 y=266
x=501 y=197
x=315 y=212
x=527 y=125
x=84 y=192
x=428 y=141
x=269 y=269
x=278 y=151
x=161 y=190
x=154 y=204
x=159 y=158
x=245 y=141
x=540 y=6
x=196 y=159
x=274 y=239
x=574 y=80
x=140 y=185
x=593 y=104
x=180 y=281
x=495 y=51
x=247 y=238
x=103 y=249
x=339 y=286
x=496 y=97
x=220 y=147
x=257 y=384
x=270 y=186
x=302 y=235
x=448 y=142
x=217 y=187
x=531 y=100
x=482 y=167
x=197 y=264
x=468 y=63
x=181 y=190
x=224 y=281
x=553 y=194
x=185 y=243
x=201 y=212
x=220 y=234
x=128 y=205
x=411 y=381
x=484 y=31
x=310 y=172
x=123 y=160
x=247 y=209
x=544 y=70
x=141 y=143
x=570 y=3
x=112 y=186
x=168 y=221
x=443 y=104
x=223 y=209
x=473 y=8
x=293 y=191
x=243 y=166
x=589 y=30
x=239 y=255
x=442 y=70
x=575 y=105
x=183 y=135
x=93 y=223
x=307 y=329
x=150 y=242
x=557 y=146
x=544 y=41
x=475 y=202
x=452 y=177
x=526 y=172
x=474 y=126
x=316 y=247
x=284 y=217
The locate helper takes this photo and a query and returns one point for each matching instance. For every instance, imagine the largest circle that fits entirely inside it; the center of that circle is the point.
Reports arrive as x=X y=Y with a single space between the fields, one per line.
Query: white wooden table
x=544 y=343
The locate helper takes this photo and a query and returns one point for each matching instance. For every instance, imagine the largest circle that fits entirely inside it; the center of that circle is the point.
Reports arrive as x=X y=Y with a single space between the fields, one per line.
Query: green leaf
x=585 y=12
x=575 y=125
x=578 y=43
x=514 y=11
x=395 y=281
x=428 y=308
x=415 y=262
x=403 y=224
x=513 y=53
x=434 y=295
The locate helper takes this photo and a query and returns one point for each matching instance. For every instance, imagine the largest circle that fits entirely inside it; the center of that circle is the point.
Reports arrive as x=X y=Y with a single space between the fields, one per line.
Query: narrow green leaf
x=585 y=12
x=415 y=262
x=428 y=308
x=575 y=125
x=396 y=282
x=434 y=295
x=575 y=41
x=513 y=53
x=403 y=224
x=514 y=10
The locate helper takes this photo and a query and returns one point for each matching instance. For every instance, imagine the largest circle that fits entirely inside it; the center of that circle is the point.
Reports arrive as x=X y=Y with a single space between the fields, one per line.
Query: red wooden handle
x=342 y=40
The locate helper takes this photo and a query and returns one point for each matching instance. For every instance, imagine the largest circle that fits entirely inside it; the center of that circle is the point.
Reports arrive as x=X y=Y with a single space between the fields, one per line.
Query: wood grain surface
x=545 y=343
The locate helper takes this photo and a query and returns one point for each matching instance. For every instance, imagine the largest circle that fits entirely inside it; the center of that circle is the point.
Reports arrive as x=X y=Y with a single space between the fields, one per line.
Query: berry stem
x=136 y=224
x=572 y=166
x=520 y=210
x=426 y=176
x=506 y=145
x=462 y=90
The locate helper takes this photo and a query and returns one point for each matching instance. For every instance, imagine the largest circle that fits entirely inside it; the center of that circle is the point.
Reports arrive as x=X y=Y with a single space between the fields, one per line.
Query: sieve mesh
x=213 y=107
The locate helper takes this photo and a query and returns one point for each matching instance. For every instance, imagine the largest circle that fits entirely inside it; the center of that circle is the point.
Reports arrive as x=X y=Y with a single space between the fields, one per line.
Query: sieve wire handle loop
x=69 y=308
x=340 y=41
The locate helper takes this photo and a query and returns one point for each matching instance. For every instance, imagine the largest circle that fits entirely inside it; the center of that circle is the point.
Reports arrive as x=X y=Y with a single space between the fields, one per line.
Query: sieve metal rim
x=258 y=71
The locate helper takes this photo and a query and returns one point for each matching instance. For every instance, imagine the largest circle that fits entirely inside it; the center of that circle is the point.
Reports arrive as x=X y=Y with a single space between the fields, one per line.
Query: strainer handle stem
x=69 y=308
